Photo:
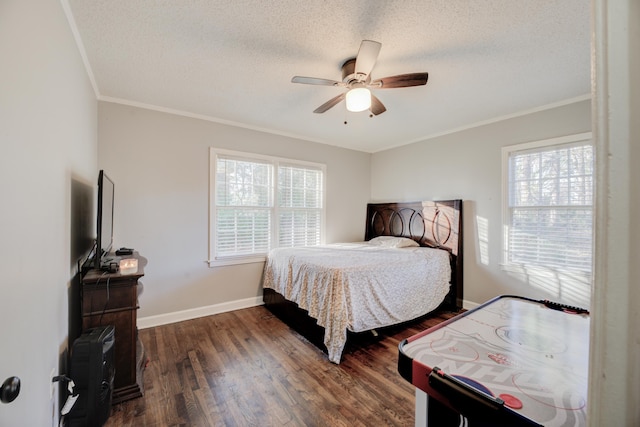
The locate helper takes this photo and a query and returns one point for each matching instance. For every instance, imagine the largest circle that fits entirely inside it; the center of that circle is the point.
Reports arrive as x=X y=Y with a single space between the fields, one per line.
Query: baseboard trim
x=469 y=305
x=194 y=313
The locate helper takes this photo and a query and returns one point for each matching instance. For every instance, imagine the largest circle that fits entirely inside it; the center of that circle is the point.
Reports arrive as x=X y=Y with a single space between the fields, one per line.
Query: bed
x=409 y=265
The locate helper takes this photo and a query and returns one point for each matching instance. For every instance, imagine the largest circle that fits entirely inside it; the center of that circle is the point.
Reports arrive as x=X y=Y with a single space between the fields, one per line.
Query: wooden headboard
x=436 y=224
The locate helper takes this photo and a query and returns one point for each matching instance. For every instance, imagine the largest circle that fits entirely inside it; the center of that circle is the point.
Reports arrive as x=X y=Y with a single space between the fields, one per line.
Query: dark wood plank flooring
x=247 y=368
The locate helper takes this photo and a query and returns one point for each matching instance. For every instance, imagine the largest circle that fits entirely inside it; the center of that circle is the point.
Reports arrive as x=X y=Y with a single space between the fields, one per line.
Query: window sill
x=235 y=261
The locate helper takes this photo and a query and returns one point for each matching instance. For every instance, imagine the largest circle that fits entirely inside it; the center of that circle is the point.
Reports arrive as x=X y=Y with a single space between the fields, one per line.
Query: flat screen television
x=104 y=240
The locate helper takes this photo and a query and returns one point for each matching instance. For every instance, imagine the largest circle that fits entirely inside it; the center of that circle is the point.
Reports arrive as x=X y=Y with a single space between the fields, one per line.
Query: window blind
x=550 y=206
x=300 y=206
x=244 y=205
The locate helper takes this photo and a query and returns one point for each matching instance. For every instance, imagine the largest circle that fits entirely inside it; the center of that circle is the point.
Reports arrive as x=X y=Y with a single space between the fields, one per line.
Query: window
x=549 y=206
x=261 y=202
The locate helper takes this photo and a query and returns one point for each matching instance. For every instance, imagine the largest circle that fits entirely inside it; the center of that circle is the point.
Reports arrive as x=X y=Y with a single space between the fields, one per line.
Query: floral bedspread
x=357 y=286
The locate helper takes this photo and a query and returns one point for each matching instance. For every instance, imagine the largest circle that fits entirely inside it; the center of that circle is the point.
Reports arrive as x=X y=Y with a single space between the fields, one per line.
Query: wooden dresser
x=112 y=299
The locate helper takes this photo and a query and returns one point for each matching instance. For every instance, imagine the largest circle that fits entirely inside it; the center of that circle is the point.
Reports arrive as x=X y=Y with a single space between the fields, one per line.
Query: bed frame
x=436 y=224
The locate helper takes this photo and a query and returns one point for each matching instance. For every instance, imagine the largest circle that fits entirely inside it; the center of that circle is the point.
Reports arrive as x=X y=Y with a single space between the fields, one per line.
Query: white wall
x=160 y=165
x=467 y=165
x=48 y=166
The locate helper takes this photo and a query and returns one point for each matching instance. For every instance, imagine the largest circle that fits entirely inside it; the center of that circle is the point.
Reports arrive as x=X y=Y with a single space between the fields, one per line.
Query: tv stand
x=112 y=299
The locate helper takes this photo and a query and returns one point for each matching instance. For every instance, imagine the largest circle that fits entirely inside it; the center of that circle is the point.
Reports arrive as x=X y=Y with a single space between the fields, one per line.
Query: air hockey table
x=511 y=361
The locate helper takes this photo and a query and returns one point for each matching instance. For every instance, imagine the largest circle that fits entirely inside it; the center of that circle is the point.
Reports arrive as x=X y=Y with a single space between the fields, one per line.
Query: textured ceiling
x=232 y=61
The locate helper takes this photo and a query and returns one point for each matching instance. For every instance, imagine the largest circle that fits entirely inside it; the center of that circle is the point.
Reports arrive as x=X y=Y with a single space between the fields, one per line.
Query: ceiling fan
x=356 y=76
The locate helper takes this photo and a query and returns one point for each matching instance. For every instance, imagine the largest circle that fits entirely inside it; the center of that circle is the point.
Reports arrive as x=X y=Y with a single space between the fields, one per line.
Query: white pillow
x=393 y=242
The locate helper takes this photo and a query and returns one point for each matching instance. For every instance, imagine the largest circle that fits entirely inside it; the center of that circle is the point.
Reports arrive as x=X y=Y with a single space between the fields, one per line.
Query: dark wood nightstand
x=112 y=299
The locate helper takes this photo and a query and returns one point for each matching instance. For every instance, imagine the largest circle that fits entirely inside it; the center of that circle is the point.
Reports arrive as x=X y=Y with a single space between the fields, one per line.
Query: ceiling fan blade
x=330 y=103
x=401 y=80
x=366 y=59
x=376 y=106
x=315 y=81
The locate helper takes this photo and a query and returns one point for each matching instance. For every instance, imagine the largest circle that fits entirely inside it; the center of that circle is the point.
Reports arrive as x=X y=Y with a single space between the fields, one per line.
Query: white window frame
x=529 y=269
x=215 y=260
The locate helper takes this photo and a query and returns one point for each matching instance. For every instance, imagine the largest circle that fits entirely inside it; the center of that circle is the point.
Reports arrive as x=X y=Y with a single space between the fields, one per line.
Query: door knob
x=10 y=389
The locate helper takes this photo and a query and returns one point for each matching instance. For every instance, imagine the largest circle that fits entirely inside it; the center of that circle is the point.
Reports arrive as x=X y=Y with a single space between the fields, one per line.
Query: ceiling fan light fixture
x=358 y=99
x=356 y=78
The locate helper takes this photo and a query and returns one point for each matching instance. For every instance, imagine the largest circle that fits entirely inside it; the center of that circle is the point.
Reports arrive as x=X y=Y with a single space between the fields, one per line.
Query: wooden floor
x=247 y=368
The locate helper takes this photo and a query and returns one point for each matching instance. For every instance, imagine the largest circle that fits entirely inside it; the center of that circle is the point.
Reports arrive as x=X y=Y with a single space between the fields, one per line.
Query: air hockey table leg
x=422 y=403
x=430 y=412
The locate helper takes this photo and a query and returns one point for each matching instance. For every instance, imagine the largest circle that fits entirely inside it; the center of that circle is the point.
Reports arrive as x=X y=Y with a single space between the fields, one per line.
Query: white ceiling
x=232 y=61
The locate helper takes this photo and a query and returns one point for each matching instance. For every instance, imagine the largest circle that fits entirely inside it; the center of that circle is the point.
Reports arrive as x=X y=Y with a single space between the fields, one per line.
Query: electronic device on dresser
x=104 y=239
